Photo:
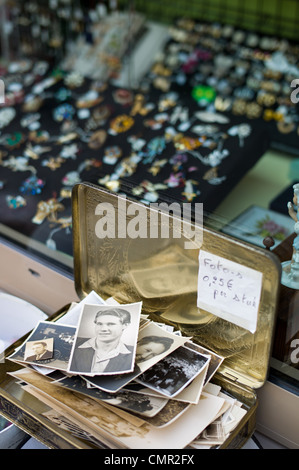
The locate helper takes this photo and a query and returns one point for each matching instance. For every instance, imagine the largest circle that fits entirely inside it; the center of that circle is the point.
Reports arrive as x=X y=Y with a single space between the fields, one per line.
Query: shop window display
x=215 y=98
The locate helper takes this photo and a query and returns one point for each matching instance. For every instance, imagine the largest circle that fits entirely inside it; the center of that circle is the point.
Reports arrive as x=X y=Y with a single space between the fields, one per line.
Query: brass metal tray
x=114 y=266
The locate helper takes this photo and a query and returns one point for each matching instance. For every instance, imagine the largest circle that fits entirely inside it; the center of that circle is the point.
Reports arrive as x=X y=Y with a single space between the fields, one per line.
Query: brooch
x=71 y=178
x=189 y=192
x=18 y=164
x=156 y=122
x=63 y=94
x=203 y=94
x=98 y=118
x=6 y=116
x=29 y=120
x=74 y=80
x=244 y=93
x=270 y=115
x=83 y=113
x=112 y=154
x=239 y=107
x=241 y=130
x=15 y=202
x=46 y=209
x=139 y=106
x=64 y=111
x=285 y=127
x=32 y=103
x=161 y=70
x=53 y=163
x=111 y=184
x=154 y=147
x=149 y=190
x=89 y=99
x=161 y=83
x=126 y=167
x=169 y=100
x=120 y=124
x=177 y=160
x=39 y=136
x=32 y=185
x=266 y=99
x=123 y=96
x=211 y=176
x=253 y=110
x=97 y=139
x=69 y=151
x=222 y=104
x=186 y=143
x=136 y=143
x=208 y=116
x=174 y=180
x=214 y=158
x=156 y=167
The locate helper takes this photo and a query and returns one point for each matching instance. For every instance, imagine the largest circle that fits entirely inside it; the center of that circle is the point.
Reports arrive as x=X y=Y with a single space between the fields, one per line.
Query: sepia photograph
x=39 y=350
x=153 y=344
x=171 y=412
x=212 y=435
x=49 y=345
x=74 y=429
x=184 y=310
x=165 y=281
x=106 y=339
x=173 y=373
x=116 y=430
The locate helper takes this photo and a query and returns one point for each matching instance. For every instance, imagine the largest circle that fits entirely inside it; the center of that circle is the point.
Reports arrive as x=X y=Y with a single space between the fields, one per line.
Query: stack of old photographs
x=117 y=379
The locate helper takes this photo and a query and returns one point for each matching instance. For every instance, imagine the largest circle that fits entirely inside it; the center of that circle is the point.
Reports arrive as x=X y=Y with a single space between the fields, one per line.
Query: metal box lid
x=136 y=252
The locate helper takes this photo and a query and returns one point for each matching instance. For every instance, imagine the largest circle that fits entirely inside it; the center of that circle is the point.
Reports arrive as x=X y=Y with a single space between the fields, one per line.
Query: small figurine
x=290 y=269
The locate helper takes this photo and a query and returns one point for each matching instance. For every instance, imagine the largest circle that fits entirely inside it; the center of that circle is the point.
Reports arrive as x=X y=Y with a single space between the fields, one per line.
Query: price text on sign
x=229 y=290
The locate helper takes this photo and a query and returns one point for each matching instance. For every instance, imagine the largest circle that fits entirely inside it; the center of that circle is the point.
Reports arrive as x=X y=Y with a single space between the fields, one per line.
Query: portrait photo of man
x=153 y=344
x=106 y=340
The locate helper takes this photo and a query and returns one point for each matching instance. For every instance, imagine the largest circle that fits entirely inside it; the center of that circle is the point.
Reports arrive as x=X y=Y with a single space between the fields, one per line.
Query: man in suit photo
x=39 y=351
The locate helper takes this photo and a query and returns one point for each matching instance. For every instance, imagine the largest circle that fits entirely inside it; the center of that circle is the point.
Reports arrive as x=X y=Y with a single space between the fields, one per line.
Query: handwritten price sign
x=229 y=290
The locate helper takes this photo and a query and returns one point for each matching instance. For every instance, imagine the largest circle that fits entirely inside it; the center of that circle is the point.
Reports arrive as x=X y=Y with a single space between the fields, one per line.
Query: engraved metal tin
x=114 y=266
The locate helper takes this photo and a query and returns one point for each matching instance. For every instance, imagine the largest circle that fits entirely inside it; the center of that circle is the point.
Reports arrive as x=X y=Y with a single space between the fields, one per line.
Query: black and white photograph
x=173 y=373
x=106 y=340
x=154 y=343
x=215 y=359
x=190 y=394
x=58 y=339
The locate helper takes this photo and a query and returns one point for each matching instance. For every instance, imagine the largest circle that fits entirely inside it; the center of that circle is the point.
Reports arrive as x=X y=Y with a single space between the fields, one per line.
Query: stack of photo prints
x=111 y=376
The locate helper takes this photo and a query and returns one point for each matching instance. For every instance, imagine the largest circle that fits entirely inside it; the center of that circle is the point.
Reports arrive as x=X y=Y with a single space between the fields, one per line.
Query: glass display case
x=161 y=103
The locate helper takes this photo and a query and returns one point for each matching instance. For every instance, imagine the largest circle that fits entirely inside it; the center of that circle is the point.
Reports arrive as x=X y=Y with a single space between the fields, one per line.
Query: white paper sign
x=229 y=290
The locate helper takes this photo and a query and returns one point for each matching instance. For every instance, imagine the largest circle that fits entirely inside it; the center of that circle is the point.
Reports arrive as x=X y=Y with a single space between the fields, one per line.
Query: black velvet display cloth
x=149 y=144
